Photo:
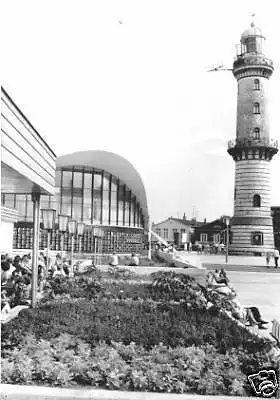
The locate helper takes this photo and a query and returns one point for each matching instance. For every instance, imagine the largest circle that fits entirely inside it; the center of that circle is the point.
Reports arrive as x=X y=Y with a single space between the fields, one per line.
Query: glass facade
x=94 y=197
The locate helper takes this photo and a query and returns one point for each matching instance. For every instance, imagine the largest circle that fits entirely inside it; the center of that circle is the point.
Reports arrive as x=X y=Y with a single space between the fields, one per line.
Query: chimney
x=204 y=221
x=184 y=217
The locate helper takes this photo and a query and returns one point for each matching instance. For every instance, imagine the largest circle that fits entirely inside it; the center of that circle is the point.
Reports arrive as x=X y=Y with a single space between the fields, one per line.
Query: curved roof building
x=112 y=173
x=98 y=188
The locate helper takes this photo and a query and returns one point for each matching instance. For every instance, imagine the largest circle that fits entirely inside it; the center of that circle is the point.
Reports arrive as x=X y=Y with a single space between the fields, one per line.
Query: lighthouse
x=252 y=149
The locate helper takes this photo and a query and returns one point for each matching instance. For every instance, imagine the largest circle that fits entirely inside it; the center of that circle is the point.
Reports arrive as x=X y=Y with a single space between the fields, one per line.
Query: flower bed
x=125 y=334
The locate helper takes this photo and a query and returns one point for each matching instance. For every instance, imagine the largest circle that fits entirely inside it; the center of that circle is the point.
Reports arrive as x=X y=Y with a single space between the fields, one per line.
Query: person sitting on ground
x=134 y=261
x=114 y=260
x=216 y=275
x=247 y=315
x=223 y=277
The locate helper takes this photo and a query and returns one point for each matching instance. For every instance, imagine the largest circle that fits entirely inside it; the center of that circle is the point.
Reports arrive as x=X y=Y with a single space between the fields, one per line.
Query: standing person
x=114 y=261
x=41 y=271
x=190 y=247
x=267 y=257
x=276 y=257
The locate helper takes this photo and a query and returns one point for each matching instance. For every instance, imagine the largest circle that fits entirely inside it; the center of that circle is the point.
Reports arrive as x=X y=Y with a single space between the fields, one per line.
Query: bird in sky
x=120 y=22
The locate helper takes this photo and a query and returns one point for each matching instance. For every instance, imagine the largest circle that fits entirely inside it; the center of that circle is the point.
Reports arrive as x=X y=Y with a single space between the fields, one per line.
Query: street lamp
x=72 y=226
x=48 y=217
x=62 y=226
x=80 y=232
x=227 y=219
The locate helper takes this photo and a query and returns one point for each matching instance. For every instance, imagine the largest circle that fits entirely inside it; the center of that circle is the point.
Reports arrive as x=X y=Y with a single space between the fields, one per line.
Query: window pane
x=20 y=205
x=127 y=202
x=66 y=205
x=78 y=179
x=113 y=208
x=132 y=212
x=29 y=208
x=45 y=202
x=105 y=215
x=9 y=200
x=96 y=206
x=77 y=208
x=97 y=180
x=121 y=204
x=114 y=184
x=58 y=175
x=106 y=181
x=67 y=179
x=87 y=180
x=87 y=206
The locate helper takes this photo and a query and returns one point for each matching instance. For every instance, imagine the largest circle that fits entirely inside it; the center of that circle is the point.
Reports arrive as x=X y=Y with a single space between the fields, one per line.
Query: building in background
x=253 y=148
x=27 y=171
x=178 y=231
x=98 y=188
x=213 y=232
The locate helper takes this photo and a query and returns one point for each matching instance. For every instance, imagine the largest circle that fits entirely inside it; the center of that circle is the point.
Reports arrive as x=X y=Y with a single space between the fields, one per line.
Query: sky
x=130 y=77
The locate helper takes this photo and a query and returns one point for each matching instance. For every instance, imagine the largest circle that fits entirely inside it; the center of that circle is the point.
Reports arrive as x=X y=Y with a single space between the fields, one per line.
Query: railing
x=271 y=143
x=248 y=59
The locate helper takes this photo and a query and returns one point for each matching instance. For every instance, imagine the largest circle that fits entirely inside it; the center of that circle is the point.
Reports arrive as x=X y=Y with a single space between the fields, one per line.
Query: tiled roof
x=181 y=221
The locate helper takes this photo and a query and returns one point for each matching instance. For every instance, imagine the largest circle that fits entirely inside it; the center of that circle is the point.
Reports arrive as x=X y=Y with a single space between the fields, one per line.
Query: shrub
x=66 y=360
x=82 y=286
x=143 y=322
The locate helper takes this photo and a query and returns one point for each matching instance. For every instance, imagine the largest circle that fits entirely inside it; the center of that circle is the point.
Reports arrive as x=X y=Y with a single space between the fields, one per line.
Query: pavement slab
x=17 y=392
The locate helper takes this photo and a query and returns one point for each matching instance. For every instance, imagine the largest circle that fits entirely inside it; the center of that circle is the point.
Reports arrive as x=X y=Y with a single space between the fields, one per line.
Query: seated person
x=214 y=279
x=134 y=261
x=22 y=290
x=59 y=271
x=114 y=261
x=223 y=277
x=250 y=315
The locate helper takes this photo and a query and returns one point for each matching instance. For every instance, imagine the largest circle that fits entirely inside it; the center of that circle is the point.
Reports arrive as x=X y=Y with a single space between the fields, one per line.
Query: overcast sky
x=130 y=77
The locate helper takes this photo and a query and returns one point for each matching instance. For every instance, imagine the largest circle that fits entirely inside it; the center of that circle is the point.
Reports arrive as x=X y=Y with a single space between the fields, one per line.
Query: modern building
x=253 y=148
x=27 y=171
x=99 y=189
x=175 y=230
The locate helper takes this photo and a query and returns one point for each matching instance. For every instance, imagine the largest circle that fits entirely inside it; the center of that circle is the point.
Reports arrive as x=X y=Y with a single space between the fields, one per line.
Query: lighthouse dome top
x=251 y=31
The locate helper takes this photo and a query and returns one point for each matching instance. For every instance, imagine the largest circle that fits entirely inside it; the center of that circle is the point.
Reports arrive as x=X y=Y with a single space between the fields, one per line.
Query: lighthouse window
x=256 y=84
x=257 y=238
x=256 y=108
x=257 y=133
x=257 y=200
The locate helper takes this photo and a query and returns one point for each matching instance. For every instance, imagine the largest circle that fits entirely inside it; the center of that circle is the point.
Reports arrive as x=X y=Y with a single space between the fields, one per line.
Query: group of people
x=133 y=262
x=16 y=276
x=219 y=282
x=207 y=248
x=270 y=255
